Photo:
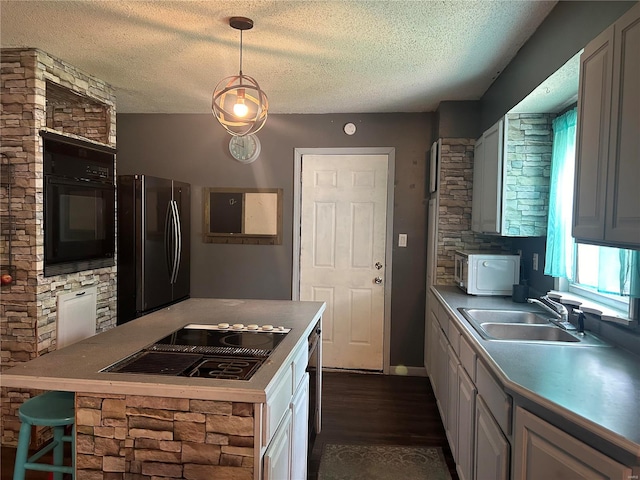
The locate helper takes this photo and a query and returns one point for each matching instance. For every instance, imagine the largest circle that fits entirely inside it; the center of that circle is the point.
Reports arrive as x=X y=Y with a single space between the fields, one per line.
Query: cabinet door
x=543 y=451
x=277 y=458
x=491 y=197
x=491 y=451
x=592 y=137
x=466 y=427
x=427 y=333
x=623 y=196
x=434 y=331
x=476 y=199
x=452 y=403
x=442 y=368
x=299 y=430
x=486 y=203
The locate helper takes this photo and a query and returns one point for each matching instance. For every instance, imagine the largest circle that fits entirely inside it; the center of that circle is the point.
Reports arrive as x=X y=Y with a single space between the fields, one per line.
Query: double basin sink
x=523 y=326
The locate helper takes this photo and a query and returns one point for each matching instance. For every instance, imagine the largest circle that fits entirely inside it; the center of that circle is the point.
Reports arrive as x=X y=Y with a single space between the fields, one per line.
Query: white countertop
x=595 y=387
x=77 y=367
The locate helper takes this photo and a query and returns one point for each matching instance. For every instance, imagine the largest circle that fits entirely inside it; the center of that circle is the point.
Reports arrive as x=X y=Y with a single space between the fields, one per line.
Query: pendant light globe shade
x=240 y=105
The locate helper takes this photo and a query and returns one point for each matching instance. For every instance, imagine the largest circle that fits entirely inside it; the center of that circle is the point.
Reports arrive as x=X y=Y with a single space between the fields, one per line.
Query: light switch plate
x=535 y=261
x=402 y=240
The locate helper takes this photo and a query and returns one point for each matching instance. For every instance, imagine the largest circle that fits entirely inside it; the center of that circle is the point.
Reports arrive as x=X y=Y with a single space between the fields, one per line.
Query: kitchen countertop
x=597 y=388
x=77 y=367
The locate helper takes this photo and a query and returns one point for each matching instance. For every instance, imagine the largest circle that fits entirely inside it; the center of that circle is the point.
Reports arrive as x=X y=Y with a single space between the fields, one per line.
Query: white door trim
x=297 y=191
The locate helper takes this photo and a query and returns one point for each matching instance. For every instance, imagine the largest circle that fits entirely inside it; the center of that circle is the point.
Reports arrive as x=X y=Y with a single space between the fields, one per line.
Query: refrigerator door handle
x=168 y=241
x=177 y=250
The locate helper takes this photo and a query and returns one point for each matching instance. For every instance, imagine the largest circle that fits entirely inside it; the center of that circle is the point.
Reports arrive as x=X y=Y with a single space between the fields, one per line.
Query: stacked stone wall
x=455 y=191
x=38 y=91
x=74 y=114
x=528 y=172
x=146 y=438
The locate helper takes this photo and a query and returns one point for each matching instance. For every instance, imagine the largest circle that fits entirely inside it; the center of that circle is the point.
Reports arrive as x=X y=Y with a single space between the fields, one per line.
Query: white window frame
x=610 y=301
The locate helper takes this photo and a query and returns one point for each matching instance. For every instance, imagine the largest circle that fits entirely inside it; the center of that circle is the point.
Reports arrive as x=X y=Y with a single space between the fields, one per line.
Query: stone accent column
x=39 y=91
x=145 y=438
x=455 y=191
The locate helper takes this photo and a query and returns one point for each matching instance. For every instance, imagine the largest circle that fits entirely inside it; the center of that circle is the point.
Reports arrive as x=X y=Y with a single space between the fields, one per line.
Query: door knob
x=377 y=280
x=378 y=265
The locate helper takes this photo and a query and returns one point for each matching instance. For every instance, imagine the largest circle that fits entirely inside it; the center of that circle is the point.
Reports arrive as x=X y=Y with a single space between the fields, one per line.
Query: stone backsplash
x=146 y=438
x=527 y=164
x=39 y=91
x=455 y=190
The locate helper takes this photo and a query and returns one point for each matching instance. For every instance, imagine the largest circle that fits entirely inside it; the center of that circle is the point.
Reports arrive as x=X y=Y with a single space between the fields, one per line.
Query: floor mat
x=382 y=462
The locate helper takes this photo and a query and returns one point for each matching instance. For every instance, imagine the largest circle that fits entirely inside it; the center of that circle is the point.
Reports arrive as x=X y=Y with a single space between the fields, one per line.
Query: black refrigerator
x=154 y=224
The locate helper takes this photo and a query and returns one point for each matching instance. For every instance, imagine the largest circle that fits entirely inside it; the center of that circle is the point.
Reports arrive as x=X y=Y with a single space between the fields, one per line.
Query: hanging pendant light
x=238 y=102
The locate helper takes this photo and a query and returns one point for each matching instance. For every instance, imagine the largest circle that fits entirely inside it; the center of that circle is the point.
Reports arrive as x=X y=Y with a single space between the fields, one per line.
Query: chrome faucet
x=559 y=311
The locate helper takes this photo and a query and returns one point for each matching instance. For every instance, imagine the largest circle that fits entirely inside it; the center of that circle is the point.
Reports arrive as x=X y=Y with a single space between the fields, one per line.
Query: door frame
x=390 y=152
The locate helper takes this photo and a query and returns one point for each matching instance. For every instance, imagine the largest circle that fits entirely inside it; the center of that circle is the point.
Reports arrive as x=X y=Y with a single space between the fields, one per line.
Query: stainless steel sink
x=523 y=326
x=504 y=316
x=519 y=331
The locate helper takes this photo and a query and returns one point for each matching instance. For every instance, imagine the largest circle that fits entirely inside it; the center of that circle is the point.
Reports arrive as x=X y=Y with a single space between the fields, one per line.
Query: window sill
x=587 y=305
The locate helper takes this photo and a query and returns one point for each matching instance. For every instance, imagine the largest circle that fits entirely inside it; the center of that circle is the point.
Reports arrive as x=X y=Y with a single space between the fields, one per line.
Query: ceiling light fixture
x=238 y=102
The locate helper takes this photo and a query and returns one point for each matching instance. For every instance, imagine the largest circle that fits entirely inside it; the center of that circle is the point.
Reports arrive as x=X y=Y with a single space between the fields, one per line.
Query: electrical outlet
x=402 y=239
x=535 y=261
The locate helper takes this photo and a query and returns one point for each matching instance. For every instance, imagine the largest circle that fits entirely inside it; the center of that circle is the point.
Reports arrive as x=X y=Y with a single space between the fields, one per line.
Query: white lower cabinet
x=466 y=424
x=477 y=442
x=452 y=403
x=483 y=423
x=542 y=452
x=491 y=447
x=277 y=458
x=287 y=412
x=442 y=374
x=299 y=430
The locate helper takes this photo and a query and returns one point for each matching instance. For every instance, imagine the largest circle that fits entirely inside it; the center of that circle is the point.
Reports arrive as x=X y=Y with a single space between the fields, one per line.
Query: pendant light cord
x=240 y=52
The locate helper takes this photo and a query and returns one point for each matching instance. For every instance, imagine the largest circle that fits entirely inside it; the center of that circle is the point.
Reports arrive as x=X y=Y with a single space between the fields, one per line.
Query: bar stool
x=52 y=409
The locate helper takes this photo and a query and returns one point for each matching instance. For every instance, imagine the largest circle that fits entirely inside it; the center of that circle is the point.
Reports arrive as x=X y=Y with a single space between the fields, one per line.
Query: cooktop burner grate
x=226 y=368
x=156 y=363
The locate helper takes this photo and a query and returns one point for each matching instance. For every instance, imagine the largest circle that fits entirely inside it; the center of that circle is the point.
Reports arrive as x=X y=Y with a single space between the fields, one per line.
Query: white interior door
x=342 y=254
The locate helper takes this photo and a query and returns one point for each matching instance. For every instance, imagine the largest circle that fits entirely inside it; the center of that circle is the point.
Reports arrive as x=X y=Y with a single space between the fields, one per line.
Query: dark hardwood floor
x=357 y=409
x=378 y=410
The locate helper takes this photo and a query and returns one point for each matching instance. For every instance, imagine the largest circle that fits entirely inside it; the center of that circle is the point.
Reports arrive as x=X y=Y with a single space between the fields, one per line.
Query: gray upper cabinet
x=607 y=192
x=511 y=175
x=487 y=181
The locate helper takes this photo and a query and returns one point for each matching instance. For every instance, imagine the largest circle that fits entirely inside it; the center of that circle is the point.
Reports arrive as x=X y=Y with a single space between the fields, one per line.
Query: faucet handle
x=580 y=314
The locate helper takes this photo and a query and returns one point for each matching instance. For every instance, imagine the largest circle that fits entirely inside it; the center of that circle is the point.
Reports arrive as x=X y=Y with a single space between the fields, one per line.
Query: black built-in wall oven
x=79 y=205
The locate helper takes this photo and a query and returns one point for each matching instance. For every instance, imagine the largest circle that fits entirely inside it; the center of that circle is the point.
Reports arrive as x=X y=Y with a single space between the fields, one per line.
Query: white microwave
x=482 y=273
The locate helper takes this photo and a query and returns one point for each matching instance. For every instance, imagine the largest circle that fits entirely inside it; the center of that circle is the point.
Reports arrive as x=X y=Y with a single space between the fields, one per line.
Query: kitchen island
x=176 y=426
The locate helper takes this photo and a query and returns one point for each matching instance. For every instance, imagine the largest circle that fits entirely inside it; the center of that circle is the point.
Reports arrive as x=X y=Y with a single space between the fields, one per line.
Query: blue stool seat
x=51 y=409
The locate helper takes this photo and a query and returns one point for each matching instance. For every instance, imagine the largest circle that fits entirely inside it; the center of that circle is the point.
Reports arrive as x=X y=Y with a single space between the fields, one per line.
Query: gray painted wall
x=193 y=148
x=459 y=119
x=565 y=31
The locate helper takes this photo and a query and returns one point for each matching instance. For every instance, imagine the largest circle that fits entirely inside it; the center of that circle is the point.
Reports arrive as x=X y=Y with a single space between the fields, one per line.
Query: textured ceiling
x=308 y=56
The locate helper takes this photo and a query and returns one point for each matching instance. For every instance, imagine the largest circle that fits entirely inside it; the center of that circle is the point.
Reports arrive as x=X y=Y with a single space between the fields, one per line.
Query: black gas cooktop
x=223 y=351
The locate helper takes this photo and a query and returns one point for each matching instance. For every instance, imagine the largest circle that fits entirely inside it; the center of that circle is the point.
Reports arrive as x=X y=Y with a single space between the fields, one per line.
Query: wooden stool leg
x=58 y=451
x=24 y=438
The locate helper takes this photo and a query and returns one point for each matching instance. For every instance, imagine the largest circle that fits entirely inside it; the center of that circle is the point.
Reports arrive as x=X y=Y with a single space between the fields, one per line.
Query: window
x=600 y=275
x=607 y=275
